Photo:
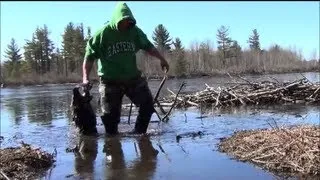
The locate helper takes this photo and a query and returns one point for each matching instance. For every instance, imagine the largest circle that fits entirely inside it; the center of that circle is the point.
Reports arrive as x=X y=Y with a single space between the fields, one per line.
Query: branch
x=159 y=89
x=174 y=102
x=4 y=175
x=130 y=113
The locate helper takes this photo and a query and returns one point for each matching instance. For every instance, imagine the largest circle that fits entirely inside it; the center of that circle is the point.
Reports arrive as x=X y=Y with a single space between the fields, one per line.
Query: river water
x=40 y=115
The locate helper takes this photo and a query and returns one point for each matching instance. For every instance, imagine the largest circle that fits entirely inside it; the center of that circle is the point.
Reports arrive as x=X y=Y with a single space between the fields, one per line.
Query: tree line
x=43 y=62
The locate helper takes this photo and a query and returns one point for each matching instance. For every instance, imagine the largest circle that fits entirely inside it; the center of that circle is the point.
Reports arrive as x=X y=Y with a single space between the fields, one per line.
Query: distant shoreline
x=150 y=78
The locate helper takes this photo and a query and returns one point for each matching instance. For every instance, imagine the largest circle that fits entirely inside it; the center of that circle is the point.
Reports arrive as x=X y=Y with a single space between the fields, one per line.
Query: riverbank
x=74 y=78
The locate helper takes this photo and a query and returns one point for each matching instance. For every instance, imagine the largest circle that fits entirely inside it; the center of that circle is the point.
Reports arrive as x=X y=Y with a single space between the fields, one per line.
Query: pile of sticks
x=250 y=93
x=289 y=151
x=24 y=162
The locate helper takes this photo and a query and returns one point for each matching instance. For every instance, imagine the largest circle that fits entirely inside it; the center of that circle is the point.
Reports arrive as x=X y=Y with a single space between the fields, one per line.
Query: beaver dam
x=24 y=162
x=289 y=151
x=250 y=93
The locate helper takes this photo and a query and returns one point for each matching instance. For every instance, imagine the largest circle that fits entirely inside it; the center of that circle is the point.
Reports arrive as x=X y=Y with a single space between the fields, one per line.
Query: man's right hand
x=86 y=68
x=86 y=85
x=164 y=65
x=85 y=81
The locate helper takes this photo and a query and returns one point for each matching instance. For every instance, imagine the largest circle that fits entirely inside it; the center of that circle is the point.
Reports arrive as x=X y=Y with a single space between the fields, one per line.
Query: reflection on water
x=16 y=110
x=85 y=157
x=39 y=115
x=115 y=163
x=143 y=167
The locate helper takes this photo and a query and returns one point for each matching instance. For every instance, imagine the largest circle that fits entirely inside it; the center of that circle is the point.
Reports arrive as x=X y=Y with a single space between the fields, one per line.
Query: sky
x=290 y=24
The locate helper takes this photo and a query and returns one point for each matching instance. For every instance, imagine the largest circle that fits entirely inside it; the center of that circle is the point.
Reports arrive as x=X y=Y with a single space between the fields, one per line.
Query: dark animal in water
x=82 y=112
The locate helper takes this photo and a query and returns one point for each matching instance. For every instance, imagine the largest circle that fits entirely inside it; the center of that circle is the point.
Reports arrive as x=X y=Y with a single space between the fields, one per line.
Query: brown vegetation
x=290 y=150
x=24 y=162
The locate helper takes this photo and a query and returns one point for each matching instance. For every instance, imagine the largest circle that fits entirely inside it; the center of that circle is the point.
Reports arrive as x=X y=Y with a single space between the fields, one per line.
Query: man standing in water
x=114 y=47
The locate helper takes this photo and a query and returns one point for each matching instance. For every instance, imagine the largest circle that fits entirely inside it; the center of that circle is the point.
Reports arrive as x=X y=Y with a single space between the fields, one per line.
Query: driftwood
x=299 y=91
x=289 y=151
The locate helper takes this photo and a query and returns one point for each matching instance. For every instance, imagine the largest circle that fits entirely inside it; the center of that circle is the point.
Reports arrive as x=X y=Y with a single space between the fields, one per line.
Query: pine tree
x=161 y=38
x=254 y=41
x=73 y=47
x=48 y=48
x=79 y=44
x=13 y=58
x=30 y=55
x=38 y=51
x=177 y=44
x=180 y=63
x=236 y=49
x=224 y=42
x=67 y=48
x=57 y=61
x=12 y=53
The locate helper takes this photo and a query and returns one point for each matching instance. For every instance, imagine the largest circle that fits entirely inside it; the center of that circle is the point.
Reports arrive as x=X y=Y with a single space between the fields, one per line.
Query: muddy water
x=39 y=115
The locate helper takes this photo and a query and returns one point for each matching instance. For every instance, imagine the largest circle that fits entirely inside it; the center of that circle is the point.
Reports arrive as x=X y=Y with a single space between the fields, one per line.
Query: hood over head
x=121 y=11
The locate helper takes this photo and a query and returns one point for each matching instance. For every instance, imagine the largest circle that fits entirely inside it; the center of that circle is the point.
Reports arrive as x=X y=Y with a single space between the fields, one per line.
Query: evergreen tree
x=13 y=58
x=236 y=49
x=12 y=53
x=73 y=47
x=48 y=48
x=79 y=44
x=161 y=38
x=58 y=61
x=38 y=51
x=224 y=42
x=254 y=41
x=180 y=63
x=31 y=54
x=67 y=48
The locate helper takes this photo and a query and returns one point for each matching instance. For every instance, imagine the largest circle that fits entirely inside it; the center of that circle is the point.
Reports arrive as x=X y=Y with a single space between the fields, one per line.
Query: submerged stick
x=162 y=150
x=155 y=100
x=160 y=87
x=136 y=149
x=130 y=110
x=160 y=107
x=174 y=103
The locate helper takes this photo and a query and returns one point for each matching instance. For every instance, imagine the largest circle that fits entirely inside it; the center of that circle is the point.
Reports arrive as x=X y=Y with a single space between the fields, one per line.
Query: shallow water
x=39 y=115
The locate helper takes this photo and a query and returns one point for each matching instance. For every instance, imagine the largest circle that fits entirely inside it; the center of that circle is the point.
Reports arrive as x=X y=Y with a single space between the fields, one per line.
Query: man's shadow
x=142 y=168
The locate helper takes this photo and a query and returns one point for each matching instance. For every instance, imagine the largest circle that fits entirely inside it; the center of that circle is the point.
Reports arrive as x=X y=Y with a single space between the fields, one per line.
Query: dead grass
x=24 y=162
x=291 y=150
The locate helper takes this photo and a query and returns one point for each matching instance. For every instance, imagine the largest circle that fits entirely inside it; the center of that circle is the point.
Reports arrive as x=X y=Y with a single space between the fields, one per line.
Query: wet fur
x=82 y=112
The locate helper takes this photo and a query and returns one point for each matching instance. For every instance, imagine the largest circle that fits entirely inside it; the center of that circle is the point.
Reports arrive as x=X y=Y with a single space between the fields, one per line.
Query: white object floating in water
x=109 y=158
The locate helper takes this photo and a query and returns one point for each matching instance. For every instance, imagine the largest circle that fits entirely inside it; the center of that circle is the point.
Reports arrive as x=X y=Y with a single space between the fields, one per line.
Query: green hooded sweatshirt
x=115 y=50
